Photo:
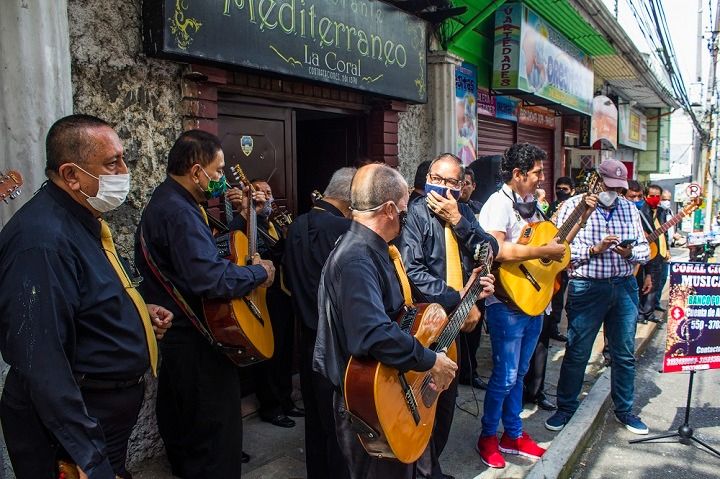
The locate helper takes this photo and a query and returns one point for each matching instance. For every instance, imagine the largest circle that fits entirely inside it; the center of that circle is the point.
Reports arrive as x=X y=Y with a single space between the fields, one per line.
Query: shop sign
x=361 y=44
x=604 y=123
x=531 y=57
x=585 y=131
x=632 y=127
x=486 y=102
x=466 y=112
x=507 y=108
x=536 y=116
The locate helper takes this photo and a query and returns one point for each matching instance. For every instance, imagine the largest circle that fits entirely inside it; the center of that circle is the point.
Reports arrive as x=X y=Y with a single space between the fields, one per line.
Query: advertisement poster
x=632 y=126
x=604 y=123
x=530 y=56
x=693 y=325
x=466 y=112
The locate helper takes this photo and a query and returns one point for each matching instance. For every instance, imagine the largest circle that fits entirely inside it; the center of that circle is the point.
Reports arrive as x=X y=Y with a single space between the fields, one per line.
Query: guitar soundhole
x=545 y=261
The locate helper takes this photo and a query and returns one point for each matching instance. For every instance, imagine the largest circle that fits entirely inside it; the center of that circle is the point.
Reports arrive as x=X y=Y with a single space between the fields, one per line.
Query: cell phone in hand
x=627 y=242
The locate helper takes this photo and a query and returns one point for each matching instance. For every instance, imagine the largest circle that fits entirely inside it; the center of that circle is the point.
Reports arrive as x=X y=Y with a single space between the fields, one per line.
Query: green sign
x=533 y=58
x=360 y=44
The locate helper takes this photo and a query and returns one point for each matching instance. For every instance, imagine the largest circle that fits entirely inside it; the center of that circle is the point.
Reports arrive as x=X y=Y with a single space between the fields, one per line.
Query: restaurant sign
x=533 y=58
x=361 y=44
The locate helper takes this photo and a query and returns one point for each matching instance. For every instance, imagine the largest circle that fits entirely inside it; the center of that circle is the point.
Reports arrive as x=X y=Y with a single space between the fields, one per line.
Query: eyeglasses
x=451 y=182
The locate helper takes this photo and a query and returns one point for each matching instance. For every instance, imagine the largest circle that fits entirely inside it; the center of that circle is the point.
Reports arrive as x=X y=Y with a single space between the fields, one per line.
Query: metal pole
x=710 y=112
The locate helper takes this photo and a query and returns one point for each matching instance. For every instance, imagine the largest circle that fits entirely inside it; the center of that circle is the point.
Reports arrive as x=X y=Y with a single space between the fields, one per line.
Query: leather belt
x=85 y=382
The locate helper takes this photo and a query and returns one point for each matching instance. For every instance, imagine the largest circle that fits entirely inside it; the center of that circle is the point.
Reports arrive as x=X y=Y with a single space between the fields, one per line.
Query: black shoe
x=295 y=412
x=478 y=383
x=661 y=309
x=545 y=405
x=559 y=337
x=281 y=420
x=245 y=458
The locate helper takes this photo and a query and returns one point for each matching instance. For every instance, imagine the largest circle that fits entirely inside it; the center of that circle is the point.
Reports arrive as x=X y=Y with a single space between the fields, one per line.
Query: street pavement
x=660 y=402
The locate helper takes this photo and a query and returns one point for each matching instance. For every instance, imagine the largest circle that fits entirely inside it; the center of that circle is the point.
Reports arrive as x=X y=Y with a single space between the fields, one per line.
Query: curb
x=568 y=446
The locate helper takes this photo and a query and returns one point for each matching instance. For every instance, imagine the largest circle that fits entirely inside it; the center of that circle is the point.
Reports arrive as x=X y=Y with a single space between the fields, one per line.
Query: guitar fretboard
x=666 y=226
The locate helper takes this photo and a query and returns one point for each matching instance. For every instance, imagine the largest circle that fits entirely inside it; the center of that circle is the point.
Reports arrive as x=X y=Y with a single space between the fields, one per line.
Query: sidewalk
x=278 y=453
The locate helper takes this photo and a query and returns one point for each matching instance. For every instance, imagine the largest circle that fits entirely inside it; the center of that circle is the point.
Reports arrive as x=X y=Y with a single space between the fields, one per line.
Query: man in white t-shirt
x=513 y=334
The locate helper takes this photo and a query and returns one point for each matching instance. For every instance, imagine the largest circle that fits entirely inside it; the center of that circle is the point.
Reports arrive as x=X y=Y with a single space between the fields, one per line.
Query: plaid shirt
x=623 y=221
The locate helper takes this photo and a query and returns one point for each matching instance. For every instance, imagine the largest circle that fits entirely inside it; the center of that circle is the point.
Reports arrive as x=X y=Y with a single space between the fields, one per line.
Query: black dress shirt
x=64 y=311
x=358 y=302
x=183 y=247
x=422 y=244
x=310 y=239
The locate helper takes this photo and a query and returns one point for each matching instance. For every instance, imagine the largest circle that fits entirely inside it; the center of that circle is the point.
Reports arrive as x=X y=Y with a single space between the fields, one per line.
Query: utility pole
x=711 y=108
x=697 y=157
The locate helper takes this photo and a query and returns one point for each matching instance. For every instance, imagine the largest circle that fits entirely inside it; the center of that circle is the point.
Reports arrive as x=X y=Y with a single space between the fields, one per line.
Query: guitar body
x=243 y=323
x=653 y=250
x=374 y=394
x=530 y=284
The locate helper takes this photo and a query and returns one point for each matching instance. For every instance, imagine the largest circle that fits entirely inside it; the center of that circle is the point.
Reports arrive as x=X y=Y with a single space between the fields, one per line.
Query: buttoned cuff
x=259 y=274
x=427 y=361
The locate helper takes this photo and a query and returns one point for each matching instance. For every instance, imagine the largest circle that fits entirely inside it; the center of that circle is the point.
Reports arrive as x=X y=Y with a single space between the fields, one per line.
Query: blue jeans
x=590 y=303
x=513 y=337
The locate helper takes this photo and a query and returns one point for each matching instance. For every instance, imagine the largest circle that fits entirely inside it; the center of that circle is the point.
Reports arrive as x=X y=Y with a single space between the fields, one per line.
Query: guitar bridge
x=409 y=398
x=254 y=310
x=408 y=319
x=530 y=277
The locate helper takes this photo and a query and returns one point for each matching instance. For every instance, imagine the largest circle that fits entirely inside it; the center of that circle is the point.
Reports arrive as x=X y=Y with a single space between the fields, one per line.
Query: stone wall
x=142 y=98
x=414 y=137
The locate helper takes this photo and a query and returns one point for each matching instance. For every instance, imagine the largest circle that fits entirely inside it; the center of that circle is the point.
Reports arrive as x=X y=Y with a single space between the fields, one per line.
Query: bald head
x=376 y=184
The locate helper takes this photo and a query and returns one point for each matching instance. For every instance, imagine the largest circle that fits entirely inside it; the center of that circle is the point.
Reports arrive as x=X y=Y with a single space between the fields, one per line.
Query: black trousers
x=360 y=464
x=535 y=377
x=468 y=344
x=428 y=466
x=273 y=378
x=198 y=408
x=646 y=306
x=323 y=457
x=34 y=451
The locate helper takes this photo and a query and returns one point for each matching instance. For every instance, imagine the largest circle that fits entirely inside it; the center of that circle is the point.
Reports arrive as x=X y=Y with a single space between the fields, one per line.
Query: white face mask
x=665 y=204
x=607 y=198
x=112 y=191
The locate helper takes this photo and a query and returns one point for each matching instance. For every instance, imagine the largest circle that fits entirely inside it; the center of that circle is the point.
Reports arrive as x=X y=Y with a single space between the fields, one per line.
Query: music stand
x=684 y=432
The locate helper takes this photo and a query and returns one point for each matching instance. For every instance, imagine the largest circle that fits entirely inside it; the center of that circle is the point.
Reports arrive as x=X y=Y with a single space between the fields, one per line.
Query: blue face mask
x=441 y=190
x=639 y=203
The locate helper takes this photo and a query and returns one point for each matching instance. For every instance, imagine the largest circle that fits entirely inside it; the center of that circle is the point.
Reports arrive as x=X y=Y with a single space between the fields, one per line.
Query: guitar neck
x=572 y=220
x=461 y=312
x=667 y=225
x=251 y=224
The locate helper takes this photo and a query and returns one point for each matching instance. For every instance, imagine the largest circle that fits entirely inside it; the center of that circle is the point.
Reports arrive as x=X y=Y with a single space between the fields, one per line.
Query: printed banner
x=693 y=325
x=530 y=56
x=632 y=127
x=466 y=112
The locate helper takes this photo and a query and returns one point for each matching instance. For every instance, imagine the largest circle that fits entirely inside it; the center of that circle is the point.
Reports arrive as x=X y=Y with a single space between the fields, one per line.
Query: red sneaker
x=524 y=446
x=487 y=447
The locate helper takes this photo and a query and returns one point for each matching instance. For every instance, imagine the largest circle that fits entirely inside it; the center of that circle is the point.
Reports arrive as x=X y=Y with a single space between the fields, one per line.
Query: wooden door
x=259 y=139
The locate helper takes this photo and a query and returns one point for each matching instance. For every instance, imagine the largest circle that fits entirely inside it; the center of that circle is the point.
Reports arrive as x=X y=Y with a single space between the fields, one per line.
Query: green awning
x=477 y=38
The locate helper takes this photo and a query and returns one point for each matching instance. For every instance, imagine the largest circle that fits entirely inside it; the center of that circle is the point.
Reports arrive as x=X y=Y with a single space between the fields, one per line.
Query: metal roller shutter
x=494 y=136
x=542 y=138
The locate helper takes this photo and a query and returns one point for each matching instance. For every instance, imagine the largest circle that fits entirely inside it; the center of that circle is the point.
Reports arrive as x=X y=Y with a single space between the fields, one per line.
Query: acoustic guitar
x=242 y=322
x=10 y=184
x=652 y=237
x=530 y=284
x=394 y=411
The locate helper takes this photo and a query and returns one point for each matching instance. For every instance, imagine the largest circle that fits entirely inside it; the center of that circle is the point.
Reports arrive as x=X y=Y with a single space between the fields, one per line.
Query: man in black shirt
x=311 y=238
x=198 y=405
x=358 y=301
x=75 y=332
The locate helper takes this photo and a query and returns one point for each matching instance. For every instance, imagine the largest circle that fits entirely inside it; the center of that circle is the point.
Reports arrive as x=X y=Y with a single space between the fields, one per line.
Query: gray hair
x=339 y=186
x=378 y=186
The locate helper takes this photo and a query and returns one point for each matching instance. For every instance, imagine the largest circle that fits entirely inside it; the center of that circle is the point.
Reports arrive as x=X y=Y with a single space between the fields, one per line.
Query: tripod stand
x=684 y=432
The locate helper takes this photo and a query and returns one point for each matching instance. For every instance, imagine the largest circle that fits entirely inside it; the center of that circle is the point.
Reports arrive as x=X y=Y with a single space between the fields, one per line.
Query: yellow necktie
x=453 y=268
x=401 y=274
x=662 y=244
x=204 y=214
x=111 y=253
x=272 y=231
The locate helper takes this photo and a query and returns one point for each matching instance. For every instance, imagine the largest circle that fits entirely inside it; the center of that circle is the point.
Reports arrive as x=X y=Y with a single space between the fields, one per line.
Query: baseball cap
x=614 y=173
